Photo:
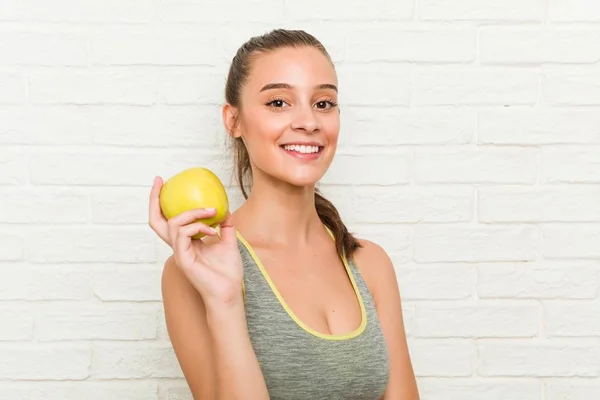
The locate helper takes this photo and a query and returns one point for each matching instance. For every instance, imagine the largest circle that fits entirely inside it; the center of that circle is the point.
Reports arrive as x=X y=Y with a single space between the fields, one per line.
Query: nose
x=306 y=120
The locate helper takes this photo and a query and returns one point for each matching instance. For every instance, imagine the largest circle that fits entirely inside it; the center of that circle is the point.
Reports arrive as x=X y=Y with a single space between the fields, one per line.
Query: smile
x=302 y=148
x=305 y=152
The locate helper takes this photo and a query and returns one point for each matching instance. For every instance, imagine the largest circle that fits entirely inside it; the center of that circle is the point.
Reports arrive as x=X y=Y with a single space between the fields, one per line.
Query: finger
x=183 y=241
x=156 y=219
x=228 y=230
x=194 y=228
x=187 y=217
x=182 y=252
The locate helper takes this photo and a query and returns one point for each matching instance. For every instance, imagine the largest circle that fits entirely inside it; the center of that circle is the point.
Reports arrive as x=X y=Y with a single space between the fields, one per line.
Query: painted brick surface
x=470 y=150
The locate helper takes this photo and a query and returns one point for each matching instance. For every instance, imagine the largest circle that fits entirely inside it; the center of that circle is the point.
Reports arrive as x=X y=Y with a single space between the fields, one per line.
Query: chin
x=302 y=179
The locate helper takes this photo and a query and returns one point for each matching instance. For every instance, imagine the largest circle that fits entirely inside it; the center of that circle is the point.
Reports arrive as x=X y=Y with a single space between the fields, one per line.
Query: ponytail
x=345 y=243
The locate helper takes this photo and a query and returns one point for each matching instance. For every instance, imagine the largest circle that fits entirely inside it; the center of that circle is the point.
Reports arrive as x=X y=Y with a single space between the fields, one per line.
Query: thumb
x=228 y=230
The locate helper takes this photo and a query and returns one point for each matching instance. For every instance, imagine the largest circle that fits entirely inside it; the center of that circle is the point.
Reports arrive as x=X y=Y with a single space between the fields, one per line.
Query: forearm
x=238 y=373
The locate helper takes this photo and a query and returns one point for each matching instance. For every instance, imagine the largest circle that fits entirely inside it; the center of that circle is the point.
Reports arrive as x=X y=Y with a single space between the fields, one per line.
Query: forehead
x=302 y=67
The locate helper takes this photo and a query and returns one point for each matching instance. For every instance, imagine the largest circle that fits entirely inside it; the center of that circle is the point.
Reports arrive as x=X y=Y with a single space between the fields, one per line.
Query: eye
x=277 y=103
x=325 y=104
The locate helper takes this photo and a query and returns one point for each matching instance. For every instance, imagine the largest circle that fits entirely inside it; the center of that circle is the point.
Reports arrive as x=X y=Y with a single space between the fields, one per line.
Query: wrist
x=225 y=313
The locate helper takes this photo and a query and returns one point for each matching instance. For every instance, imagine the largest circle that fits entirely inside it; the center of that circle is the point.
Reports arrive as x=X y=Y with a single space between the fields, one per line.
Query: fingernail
x=211 y=209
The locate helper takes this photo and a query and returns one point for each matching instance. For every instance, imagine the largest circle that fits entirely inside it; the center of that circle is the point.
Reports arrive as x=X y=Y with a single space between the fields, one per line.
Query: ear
x=229 y=114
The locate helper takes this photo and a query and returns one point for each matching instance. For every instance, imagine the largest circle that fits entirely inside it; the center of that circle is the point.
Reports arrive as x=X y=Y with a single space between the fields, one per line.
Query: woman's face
x=290 y=121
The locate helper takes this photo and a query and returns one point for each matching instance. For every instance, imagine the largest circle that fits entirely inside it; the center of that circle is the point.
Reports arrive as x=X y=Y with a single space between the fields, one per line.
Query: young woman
x=282 y=303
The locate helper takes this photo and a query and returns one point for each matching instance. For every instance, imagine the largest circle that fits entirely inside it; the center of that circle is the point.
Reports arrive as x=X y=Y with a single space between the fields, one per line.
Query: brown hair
x=239 y=70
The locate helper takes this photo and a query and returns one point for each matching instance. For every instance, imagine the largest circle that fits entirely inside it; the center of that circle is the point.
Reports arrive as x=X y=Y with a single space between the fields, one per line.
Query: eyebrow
x=271 y=86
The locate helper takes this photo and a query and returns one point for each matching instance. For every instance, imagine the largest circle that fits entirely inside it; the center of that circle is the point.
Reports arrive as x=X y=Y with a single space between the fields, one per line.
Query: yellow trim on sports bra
x=291 y=313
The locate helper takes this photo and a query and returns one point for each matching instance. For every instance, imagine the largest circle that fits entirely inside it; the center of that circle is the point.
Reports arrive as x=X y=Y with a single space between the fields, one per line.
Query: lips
x=303 y=151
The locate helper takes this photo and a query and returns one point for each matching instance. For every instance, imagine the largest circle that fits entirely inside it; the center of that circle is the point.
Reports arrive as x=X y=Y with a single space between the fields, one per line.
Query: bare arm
x=212 y=346
x=185 y=316
x=379 y=274
x=204 y=309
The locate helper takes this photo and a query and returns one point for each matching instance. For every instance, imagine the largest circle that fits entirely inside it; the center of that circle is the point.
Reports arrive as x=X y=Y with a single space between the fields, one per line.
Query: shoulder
x=376 y=268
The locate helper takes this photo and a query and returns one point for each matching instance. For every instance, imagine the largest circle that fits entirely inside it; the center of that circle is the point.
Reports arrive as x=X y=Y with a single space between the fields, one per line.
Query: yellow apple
x=194 y=188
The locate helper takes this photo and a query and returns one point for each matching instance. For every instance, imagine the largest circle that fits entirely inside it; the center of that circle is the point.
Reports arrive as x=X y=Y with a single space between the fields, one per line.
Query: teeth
x=301 y=148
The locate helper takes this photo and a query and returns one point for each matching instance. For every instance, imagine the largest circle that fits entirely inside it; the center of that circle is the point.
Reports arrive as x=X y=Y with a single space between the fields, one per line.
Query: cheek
x=331 y=129
x=261 y=139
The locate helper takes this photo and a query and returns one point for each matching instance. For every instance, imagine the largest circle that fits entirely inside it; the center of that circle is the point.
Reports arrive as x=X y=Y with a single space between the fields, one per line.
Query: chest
x=319 y=291
x=299 y=364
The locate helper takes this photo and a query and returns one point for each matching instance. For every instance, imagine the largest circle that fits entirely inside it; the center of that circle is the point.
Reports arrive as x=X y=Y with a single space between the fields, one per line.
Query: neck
x=279 y=213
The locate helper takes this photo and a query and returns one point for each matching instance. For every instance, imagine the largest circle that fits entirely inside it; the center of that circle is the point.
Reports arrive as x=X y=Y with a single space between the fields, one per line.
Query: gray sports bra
x=299 y=363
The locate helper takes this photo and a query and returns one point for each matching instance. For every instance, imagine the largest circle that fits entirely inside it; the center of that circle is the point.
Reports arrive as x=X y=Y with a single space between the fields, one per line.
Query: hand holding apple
x=188 y=207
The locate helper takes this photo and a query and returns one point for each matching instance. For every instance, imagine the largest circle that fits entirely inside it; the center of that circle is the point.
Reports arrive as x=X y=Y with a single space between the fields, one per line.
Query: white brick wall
x=481 y=119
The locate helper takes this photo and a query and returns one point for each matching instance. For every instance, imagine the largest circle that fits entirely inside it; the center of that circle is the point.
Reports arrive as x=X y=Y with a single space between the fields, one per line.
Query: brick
x=169 y=47
x=414 y=45
x=14 y=391
x=180 y=126
x=486 y=165
x=477 y=389
x=13 y=89
x=213 y=11
x=96 y=322
x=128 y=390
x=377 y=78
x=573 y=11
x=474 y=243
x=127 y=245
x=507 y=45
x=476 y=320
x=13 y=169
x=572 y=87
x=46 y=282
x=112 y=11
x=353 y=11
x=21 y=47
x=391 y=126
x=555 y=204
x=435 y=281
x=349 y=169
x=21 y=322
x=540 y=280
x=538 y=127
x=571 y=318
x=476 y=87
x=43 y=206
x=125 y=206
x=133 y=283
x=435 y=357
x=175 y=391
x=134 y=360
x=45 y=126
x=185 y=87
x=482 y=10
x=537 y=358
x=118 y=168
x=65 y=361
x=407 y=205
x=570 y=241
x=102 y=86
x=13 y=247
x=572 y=389
x=570 y=166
